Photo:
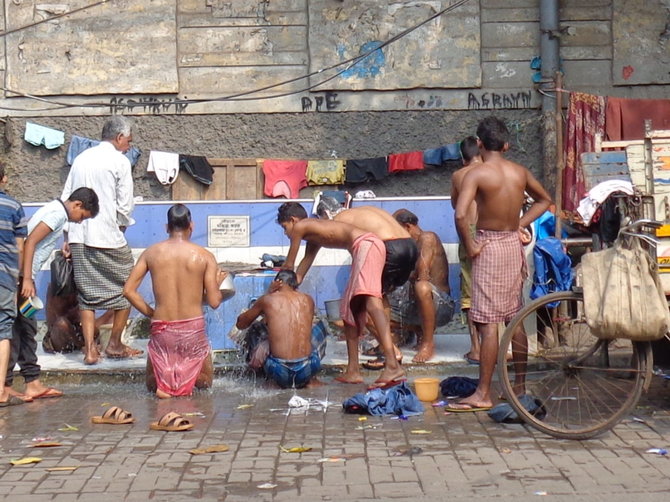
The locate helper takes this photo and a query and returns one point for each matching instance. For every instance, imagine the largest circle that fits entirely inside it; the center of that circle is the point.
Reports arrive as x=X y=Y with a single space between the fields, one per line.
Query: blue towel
x=397 y=400
x=38 y=135
x=78 y=144
x=437 y=156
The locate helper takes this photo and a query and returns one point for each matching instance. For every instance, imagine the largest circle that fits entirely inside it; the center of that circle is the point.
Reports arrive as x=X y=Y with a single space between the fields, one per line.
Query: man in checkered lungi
x=498 y=261
x=101 y=257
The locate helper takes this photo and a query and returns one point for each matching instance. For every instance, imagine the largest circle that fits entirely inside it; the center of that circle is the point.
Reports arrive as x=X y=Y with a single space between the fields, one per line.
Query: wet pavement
x=429 y=457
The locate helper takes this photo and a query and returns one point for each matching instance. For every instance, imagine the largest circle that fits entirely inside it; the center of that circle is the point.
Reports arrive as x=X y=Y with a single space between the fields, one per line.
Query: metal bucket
x=333 y=310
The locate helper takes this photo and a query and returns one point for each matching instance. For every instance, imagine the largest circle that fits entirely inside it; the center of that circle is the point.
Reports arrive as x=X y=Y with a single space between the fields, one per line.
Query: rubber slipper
x=172 y=422
x=374 y=364
x=128 y=353
x=465 y=408
x=48 y=394
x=114 y=416
x=474 y=362
x=11 y=401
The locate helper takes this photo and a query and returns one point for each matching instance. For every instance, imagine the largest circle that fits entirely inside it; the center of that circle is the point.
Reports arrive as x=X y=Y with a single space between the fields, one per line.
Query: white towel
x=165 y=165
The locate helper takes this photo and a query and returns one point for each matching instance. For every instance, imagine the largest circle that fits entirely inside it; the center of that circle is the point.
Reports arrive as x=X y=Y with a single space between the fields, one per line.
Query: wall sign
x=227 y=231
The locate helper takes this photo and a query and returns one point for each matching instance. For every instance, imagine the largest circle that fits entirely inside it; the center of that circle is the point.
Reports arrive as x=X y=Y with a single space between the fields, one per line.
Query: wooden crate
x=233 y=179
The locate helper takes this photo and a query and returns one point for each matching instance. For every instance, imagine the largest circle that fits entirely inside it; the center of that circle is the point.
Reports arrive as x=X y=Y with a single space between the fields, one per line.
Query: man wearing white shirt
x=101 y=257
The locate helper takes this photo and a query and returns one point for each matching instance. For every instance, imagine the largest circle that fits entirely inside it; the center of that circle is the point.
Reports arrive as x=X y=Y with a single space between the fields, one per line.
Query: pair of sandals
x=170 y=422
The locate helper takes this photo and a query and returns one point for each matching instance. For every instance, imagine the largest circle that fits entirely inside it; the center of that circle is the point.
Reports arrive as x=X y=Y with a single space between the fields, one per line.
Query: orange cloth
x=368 y=255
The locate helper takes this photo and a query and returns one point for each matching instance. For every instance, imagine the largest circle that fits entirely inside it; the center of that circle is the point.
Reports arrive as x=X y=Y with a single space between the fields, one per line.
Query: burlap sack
x=623 y=297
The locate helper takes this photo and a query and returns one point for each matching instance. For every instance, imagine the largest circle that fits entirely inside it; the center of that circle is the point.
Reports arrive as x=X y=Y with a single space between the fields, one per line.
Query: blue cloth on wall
x=38 y=135
x=79 y=143
x=437 y=156
x=397 y=400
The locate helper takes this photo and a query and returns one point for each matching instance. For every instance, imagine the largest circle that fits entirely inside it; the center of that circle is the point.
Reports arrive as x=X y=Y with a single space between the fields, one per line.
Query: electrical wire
x=246 y=95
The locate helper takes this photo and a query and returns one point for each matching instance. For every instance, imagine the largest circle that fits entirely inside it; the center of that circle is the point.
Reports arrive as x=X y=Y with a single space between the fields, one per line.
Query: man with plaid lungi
x=101 y=257
x=498 y=260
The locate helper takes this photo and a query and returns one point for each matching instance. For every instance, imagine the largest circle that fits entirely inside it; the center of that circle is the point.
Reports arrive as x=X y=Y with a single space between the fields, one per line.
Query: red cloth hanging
x=624 y=118
x=586 y=118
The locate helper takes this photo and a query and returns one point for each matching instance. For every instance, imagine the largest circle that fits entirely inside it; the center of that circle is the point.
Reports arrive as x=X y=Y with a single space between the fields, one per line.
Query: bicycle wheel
x=583 y=386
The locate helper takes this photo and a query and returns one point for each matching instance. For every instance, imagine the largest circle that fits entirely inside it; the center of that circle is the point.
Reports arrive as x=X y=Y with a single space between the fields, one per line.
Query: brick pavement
x=463 y=457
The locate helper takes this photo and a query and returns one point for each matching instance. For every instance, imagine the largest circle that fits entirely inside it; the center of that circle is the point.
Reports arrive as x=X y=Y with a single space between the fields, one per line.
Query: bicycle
x=583 y=385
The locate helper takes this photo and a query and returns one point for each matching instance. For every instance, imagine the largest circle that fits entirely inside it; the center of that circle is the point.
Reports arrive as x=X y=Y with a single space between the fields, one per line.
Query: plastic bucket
x=228 y=287
x=333 y=310
x=427 y=389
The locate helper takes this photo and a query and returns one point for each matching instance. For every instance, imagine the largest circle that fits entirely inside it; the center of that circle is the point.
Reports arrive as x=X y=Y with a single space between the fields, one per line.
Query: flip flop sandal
x=114 y=416
x=172 y=422
x=374 y=364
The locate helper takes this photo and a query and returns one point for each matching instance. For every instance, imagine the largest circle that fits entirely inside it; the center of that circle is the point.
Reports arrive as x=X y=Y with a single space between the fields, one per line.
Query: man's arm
x=245 y=319
x=212 y=281
x=124 y=195
x=426 y=256
x=542 y=200
x=130 y=289
x=465 y=198
x=311 y=251
x=35 y=237
x=455 y=182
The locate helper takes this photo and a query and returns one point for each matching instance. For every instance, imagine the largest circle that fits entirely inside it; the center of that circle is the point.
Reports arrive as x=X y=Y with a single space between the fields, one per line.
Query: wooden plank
x=233 y=179
x=604 y=166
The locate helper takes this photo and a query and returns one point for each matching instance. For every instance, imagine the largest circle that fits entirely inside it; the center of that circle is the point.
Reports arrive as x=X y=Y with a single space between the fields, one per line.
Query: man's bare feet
x=347 y=377
x=425 y=353
x=92 y=356
x=314 y=382
x=389 y=375
x=16 y=393
x=162 y=395
x=476 y=401
x=122 y=352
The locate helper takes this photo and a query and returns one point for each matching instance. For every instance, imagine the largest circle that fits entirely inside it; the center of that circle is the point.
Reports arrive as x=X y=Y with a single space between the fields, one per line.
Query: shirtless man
x=294 y=358
x=363 y=294
x=471 y=156
x=401 y=249
x=180 y=356
x=498 y=260
x=429 y=291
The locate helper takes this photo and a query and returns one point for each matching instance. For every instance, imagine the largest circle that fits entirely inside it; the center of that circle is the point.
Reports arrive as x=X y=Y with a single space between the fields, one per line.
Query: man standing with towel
x=101 y=257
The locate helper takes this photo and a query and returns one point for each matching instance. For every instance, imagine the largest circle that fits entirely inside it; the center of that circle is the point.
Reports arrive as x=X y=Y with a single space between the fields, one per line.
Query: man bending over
x=294 y=358
x=180 y=356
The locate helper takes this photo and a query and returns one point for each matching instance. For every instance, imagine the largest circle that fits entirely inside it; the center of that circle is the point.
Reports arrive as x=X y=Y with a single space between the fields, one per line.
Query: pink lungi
x=177 y=350
x=498 y=273
x=368 y=256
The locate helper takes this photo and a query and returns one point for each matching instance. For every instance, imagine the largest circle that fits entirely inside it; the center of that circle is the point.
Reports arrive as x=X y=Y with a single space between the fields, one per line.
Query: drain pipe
x=549 y=53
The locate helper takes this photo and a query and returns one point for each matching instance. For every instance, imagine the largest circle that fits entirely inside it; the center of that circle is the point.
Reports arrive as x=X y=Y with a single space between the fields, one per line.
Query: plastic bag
x=62 y=275
x=623 y=296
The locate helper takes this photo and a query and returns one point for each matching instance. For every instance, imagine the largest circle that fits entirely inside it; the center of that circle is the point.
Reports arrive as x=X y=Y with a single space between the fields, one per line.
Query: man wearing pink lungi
x=179 y=353
x=497 y=185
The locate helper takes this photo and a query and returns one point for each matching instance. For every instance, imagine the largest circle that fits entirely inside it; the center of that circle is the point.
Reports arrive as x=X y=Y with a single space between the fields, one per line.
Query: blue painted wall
x=322 y=282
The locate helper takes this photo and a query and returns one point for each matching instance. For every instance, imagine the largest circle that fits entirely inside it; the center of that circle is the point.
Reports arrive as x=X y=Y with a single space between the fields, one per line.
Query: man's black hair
x=469 y=148
x=405 y=216
x=178 y=217
x=290 y=209
x=88 y=198
x=493 y=134
x=288 y=277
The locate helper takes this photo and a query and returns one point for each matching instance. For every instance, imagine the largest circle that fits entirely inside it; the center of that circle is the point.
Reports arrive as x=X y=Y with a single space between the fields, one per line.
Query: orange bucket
x=427 y=389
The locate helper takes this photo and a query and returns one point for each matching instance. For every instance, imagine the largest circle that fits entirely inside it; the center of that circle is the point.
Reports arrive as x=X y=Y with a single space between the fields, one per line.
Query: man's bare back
x=178 y=272
x=375 y=220
x=288 y=315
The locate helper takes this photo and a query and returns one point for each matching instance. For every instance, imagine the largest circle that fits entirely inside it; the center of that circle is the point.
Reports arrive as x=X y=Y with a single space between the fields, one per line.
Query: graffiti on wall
x=327 y=102
x=493 y=100
x=148 y=104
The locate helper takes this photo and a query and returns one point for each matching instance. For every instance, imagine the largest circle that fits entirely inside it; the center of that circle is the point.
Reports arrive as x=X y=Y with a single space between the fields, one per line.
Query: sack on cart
x=623 y=296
